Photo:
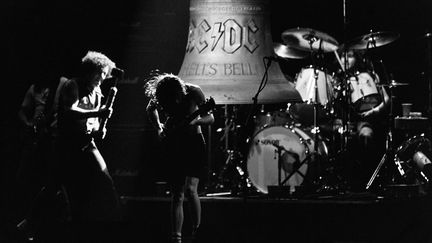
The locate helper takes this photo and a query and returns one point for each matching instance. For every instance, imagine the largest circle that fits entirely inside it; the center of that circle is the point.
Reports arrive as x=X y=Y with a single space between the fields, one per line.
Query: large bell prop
x=224 y=55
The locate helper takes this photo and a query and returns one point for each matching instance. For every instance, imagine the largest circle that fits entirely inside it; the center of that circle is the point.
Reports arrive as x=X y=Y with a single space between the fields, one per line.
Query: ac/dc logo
x=230 y=36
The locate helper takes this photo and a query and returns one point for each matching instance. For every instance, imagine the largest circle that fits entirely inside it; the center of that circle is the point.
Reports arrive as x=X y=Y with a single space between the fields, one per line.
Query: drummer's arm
x=382 y=107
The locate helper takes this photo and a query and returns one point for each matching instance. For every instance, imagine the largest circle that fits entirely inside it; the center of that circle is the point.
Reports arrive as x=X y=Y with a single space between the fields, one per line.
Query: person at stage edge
x=182 y=140
x=35 y=137
x=88 y=184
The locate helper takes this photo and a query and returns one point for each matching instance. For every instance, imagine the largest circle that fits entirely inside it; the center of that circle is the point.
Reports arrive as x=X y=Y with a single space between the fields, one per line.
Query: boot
x=176 y=237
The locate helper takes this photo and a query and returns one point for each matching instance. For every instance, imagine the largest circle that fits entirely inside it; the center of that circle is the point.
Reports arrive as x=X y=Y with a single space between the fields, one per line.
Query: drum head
x=305 y=85
x=290 y=145
x=364 y=92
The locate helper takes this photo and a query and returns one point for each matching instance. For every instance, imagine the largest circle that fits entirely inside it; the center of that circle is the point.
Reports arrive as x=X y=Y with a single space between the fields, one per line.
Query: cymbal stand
x=345 y=83
x=346 y=105
x=389 y=154
x=429 y=72
x=315 y=128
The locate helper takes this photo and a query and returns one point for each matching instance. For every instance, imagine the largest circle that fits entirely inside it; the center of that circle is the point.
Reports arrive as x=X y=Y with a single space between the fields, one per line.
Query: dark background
x=144 y=35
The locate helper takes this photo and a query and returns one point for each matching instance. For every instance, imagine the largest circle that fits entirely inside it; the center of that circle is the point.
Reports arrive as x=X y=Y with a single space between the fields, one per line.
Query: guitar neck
x=109 y=103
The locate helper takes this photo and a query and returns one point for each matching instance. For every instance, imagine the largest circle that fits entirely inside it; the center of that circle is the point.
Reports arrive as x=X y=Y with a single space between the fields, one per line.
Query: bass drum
x=292 y=145
x=274 y=118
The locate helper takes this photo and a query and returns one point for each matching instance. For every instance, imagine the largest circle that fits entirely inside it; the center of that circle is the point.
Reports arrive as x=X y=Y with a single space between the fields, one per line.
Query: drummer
x=368 y=114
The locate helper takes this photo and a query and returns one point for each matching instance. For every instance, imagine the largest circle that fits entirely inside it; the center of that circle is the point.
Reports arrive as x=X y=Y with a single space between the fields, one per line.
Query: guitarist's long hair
x=162 y=87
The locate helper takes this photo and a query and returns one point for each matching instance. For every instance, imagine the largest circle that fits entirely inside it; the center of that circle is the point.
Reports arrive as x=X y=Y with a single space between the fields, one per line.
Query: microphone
x=117 y=72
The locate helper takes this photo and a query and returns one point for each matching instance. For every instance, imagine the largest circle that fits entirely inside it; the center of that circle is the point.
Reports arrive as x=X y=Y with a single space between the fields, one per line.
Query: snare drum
x=364 y=92
x=292 y=145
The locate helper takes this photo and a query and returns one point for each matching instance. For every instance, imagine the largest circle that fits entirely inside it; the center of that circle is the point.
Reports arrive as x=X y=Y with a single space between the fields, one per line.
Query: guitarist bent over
x=88 y=184
x=183 y=106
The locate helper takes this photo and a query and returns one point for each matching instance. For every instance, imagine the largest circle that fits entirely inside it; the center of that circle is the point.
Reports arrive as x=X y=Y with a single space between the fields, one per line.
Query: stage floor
x=342 y=218
x=357 y=217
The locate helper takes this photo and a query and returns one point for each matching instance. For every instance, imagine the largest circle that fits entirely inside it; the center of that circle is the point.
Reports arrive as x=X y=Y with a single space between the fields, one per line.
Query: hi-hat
x=307 y=39
x=372 y=40
x=284 y=51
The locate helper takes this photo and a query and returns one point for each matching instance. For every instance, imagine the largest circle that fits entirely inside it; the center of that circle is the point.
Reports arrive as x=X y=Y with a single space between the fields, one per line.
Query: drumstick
x=339 y=60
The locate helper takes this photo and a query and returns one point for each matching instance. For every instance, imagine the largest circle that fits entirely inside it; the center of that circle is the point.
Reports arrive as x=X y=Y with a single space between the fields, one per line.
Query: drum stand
x=234 y=161
x=311 y=156
x=389 y=154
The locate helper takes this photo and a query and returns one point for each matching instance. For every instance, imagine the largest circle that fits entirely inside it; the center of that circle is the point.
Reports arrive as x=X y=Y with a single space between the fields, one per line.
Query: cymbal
x=284 y=51
x=301 y=38
x=372 y=40
x=394 y=84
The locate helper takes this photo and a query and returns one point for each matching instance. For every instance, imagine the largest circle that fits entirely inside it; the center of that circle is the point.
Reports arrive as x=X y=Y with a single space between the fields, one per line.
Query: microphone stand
x=267 y=63
x=429 y=72
x=260 y=88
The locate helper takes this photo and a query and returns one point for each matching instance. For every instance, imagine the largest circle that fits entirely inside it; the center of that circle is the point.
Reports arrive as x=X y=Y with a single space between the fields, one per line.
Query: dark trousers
x=88 y=184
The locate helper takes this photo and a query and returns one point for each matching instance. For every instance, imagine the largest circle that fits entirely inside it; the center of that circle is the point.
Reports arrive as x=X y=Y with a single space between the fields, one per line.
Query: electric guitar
x=108 y=104
x=37 y=132
x=172 y=126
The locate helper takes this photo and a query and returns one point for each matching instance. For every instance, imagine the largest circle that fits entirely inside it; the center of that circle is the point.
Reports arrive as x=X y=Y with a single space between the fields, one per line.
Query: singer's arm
x=204 y=118
x=69 y=100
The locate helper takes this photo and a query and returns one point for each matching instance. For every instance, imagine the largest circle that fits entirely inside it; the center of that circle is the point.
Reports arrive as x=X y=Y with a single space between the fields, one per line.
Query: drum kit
x=287 y=148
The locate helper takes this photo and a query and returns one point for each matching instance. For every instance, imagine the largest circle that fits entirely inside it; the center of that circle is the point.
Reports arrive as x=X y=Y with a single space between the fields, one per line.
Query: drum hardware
x=313 y=84
x=296 y=164
x=285 y=51
x=319 y=182
x=361 y=92
x=412 y=123
x=392 y=84
x=325 y=40
x=232 y=177
x=364 y=93
x=281 y=51
x=415 y=168
x=359 y=89
x=412 y=158
x=272 y=118
x=309 y=39
x=312 y=37
x=276 y=152
x=389 y=155
x=428 y=72
x=372 y=40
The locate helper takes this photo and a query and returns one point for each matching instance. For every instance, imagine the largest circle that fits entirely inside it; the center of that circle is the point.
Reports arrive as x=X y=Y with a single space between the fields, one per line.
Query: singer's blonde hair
x=95 y=61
